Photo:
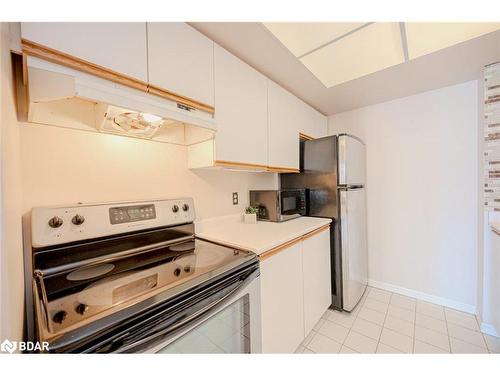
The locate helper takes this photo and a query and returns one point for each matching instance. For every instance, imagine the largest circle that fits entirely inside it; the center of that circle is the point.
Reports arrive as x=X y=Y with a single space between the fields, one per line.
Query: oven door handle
x=193 y=318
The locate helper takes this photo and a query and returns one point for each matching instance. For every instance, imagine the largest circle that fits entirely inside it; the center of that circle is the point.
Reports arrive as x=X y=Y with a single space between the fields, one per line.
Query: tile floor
x=386 y=322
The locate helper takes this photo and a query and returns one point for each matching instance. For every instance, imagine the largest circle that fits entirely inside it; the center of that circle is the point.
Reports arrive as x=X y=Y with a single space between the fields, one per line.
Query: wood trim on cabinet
x=49 y=54
x=305 y=137
x=282 y=170
x=316 y=231
x=46 y=53
x=235 y=164
x=279 y=248
x=158 y=91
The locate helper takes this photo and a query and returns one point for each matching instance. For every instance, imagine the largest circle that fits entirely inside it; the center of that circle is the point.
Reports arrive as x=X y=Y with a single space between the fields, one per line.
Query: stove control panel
x=58 y=225
x=127 y=214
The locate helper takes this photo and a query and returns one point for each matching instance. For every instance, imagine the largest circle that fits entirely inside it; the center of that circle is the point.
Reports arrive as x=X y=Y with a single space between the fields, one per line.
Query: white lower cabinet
x=282 y=301
x=317 y=278
x=295 y=292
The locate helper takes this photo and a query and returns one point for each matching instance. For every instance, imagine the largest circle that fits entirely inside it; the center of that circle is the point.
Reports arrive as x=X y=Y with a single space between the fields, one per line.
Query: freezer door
x=352 y=160
x=353 y=246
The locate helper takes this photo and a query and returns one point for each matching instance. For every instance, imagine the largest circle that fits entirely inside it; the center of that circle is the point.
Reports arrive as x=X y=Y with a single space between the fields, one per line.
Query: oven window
x=228 y=331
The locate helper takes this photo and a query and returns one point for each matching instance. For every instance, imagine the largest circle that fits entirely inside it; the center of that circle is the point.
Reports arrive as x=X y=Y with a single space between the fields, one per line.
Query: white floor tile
x=372 y=316
x=432 y=337
x=346 y=350
x=404 y=302
x=399 y=325
x=360 y=343
x=380 y=295
x=334 y=331
x=462 y=319
x=386 y=349
x=430 y=309
x=493 y=343
x=299 y=350
x=323 y=344
x=459 y=346
x=308 y=338
x=343 y=318
x=385 y=322
x=431 y=323
x=400 y=313
x=318 y=325
x=367 y=328
x=420 y=347
x=397 y=340
x=467 y=335
x=376 y=305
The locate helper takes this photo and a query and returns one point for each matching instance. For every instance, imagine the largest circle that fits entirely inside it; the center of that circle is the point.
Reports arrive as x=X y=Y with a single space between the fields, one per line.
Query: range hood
x=65 y=97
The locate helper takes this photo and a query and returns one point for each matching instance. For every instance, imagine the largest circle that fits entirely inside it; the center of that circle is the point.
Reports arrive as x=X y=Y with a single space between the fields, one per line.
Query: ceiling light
x=427 y=37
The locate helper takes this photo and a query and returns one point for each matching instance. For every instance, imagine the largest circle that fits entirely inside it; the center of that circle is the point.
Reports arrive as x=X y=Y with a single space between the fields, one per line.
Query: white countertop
x=260 y=237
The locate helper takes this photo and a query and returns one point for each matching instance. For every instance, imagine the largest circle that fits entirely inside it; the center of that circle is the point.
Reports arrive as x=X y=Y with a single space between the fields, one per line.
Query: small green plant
x=251 y=210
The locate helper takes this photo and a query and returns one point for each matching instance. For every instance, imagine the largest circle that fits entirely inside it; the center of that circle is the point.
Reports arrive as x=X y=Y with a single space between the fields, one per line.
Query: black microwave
x=278 y=205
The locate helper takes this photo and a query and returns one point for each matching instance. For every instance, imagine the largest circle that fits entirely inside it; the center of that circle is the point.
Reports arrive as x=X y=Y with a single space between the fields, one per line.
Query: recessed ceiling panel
x=428 y=37
x=373 y=48
x=303 y=37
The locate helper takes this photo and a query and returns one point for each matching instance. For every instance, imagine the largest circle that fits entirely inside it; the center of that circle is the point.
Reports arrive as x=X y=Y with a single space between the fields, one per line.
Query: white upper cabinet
x=315 y=124
x=240 y=111
x=181 y=60
x=285 y=121
x=119 y=46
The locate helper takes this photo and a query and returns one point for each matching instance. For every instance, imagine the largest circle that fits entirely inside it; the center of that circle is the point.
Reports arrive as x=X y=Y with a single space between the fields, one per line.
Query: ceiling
x=337 y=67
x=339 y=52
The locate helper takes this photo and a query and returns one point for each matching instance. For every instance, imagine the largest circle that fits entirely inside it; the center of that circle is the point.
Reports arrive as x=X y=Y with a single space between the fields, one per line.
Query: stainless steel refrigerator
x=333 y=172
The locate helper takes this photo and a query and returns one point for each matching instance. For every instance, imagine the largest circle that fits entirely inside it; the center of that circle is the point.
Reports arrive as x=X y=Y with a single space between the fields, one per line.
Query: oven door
x=220 y=317
x=292 y=203
x=232 y=327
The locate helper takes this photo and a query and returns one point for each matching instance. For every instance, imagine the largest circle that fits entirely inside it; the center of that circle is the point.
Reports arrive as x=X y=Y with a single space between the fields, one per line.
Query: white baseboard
x=489 y=329
x=424 y=296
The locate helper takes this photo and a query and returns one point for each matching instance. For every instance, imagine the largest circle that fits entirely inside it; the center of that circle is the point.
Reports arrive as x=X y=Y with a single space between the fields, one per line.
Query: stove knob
x=78 y=219
x=175 y=208
x=185 y=207
x=177 y=272
x=81 y=308
x=187 y=268
x=59 y=316
x=55 y=222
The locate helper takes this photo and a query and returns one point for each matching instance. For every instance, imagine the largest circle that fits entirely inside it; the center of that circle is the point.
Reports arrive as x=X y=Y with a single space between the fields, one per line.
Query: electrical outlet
x=235 y=198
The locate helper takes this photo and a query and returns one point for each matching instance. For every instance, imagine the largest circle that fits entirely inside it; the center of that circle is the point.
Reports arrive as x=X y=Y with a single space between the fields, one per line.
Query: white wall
x=62 y=166
x=422 y=196
x=11 y=255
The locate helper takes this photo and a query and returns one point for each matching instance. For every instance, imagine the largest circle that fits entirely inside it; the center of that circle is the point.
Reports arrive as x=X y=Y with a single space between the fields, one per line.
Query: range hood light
x=148 y=117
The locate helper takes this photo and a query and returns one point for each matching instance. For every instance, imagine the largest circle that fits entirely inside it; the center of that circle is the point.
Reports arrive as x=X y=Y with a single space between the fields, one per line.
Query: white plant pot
x=250 y=218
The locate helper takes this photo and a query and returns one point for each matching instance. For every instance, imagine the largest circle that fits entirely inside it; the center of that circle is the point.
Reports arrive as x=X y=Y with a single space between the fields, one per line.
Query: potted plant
x=250 y=215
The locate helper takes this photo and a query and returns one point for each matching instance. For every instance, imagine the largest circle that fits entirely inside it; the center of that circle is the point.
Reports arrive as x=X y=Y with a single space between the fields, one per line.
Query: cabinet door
x=317 y=278
x=119 y=46
x=240 y=111
x=285 y=116
x=315 y=124
x=282 y=301
x=181 y=60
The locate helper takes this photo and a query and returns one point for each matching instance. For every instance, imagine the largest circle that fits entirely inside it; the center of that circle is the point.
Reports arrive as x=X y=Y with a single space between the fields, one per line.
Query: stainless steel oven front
x=231 y=326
